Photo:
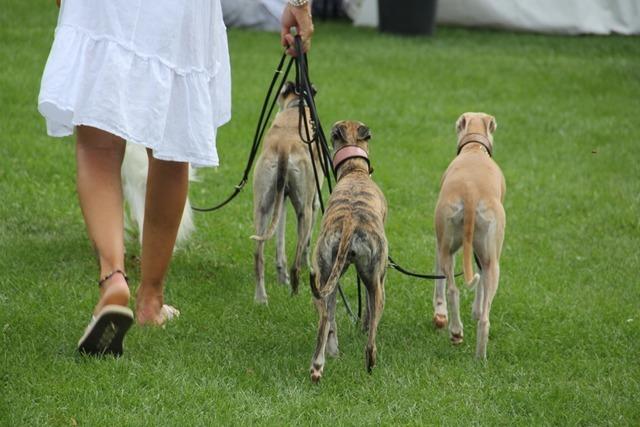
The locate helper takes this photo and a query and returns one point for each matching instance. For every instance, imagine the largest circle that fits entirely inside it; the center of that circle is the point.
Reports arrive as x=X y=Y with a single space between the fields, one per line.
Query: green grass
x=565 y=332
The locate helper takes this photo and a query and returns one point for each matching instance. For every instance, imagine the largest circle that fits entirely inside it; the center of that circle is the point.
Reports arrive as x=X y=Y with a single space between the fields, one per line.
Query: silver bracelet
x=298 y=3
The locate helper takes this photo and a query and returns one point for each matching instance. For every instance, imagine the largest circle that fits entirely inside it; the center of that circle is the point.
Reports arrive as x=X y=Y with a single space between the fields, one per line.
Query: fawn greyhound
x=352 y=232
x=284 y=169
x=469 y=213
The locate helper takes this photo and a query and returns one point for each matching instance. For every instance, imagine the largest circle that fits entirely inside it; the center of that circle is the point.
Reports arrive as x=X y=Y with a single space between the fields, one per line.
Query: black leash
x=402 y=270
x=303 y=85
x=263 y=121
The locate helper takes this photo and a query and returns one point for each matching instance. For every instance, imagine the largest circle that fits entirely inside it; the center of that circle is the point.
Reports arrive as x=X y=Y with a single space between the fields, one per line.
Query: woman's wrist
x=297 y=3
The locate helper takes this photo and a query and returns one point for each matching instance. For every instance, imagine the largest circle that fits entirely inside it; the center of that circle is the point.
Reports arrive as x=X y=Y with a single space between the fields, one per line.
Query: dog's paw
x=283 y=276
x=260 y=299
x=316 y=373
x=370 y=354
x=440 y=320
x=456 y=339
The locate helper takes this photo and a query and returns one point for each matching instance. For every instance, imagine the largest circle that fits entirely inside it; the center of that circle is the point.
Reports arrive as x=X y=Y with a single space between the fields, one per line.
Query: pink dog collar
x=348 y=152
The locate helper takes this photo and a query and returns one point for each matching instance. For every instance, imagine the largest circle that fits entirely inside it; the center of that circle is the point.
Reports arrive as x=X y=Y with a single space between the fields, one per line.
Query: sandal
x=105 y=333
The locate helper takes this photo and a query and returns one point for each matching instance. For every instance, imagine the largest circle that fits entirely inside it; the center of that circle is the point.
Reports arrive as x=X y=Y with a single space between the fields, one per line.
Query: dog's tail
x=281 y=178
x=338 y=265
x=468 y=226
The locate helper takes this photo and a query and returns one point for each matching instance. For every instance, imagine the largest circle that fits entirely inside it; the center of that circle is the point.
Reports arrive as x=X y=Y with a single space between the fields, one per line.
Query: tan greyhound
x=352 y=232
x=284 y=169
x=470 y=214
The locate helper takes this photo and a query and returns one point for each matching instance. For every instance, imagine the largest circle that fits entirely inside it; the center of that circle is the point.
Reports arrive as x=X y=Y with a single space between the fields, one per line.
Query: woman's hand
x=300 y=18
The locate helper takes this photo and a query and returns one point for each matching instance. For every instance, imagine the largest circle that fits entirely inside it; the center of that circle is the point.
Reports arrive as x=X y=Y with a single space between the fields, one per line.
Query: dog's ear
x=364 y=134
x=493 y=125
x=338 y=132
x=461 y=123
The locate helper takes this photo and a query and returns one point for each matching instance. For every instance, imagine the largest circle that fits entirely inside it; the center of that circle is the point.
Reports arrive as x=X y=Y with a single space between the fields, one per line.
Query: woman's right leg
x=99 y=156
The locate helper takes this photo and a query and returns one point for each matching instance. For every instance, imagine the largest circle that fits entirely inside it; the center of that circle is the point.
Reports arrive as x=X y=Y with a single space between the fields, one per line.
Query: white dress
x=154 y=72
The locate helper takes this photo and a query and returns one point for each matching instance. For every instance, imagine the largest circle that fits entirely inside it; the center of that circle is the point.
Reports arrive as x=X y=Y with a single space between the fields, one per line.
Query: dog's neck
x=475 y=138
x=350 y=159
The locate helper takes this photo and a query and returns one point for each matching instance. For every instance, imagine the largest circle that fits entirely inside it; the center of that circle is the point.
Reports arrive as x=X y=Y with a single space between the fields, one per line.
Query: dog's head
x=289 y=93
x=349 y=132
x=349 y=139
x=477 y=124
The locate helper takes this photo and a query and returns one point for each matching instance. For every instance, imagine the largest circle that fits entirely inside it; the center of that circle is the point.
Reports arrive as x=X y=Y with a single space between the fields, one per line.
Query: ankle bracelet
x=108 y=276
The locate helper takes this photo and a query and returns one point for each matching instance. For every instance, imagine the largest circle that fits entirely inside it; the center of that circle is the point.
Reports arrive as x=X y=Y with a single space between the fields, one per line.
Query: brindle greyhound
x=352 y=232
x=470 y=214
x=284 y=169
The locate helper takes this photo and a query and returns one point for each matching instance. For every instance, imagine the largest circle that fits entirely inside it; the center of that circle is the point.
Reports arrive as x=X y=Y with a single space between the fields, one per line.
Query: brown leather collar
x=349 y=152
x=478 y=138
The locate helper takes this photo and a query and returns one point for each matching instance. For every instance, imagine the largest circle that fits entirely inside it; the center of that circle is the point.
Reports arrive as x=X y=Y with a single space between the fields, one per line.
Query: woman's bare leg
x=99 y=157
x=167 y=186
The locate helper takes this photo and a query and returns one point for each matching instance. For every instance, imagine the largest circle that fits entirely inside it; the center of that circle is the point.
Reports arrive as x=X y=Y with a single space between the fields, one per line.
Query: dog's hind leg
x=446 y=260
x=304 y=214
x=260 y=222
x=375 y=290
x=476 y=308
x=314 y=216
x=317 y=362
x=366 y=318
x=332 y=338
x=440 y=319
x=491 y=276
x=260 y=295
x=281 y=256
x=490 y=279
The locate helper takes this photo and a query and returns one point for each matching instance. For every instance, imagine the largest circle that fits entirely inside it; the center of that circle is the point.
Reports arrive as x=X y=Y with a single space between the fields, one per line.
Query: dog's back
x=284 y=159
x=353 y=224
x=355 y=217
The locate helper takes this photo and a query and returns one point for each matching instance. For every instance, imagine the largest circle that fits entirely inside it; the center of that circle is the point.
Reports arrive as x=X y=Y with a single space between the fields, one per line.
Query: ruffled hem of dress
x=194 y=159
x=97 y=81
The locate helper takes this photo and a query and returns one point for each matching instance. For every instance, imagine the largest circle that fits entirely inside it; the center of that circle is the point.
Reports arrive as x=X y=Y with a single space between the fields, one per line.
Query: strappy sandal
x=105 y=333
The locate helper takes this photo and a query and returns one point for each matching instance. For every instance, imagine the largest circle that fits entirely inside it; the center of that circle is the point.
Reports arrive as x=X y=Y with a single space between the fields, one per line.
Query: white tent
x=543 y=16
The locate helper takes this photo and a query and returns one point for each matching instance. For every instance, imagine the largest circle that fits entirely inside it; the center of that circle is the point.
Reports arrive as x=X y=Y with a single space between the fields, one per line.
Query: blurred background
x=422 y=16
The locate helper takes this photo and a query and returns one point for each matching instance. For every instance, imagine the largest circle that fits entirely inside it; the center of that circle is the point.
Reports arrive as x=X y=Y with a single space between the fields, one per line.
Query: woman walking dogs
x=149 y=73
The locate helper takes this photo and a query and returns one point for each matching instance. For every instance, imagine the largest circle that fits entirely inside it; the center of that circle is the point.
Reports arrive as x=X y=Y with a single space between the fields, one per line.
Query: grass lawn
x=565 y=332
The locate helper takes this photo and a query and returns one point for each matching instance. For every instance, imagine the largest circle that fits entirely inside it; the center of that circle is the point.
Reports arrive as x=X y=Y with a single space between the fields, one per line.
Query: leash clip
x=241 y=185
